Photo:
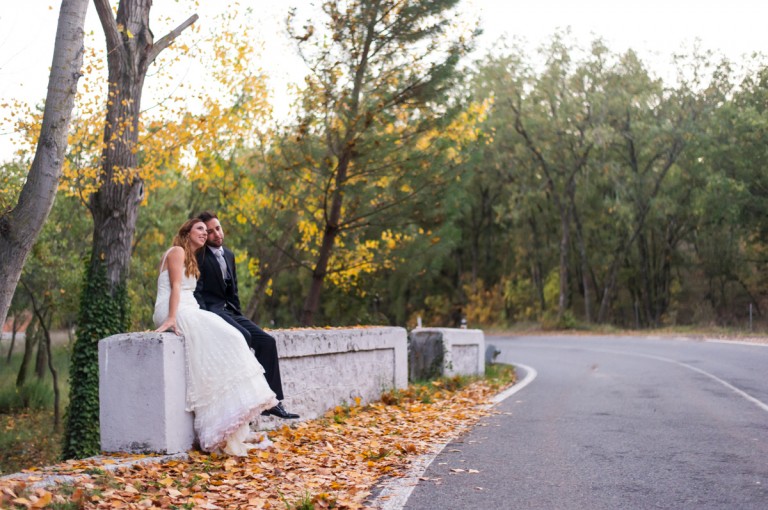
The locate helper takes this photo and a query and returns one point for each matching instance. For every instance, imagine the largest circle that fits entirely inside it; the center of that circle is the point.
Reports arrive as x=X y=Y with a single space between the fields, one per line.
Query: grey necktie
x=220 y=257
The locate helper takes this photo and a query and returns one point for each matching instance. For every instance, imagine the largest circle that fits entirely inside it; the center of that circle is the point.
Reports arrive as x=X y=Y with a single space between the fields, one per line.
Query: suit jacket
x=212 y=292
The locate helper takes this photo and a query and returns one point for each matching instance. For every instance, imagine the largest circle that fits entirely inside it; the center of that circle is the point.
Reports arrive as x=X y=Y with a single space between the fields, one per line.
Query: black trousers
x=263 y=345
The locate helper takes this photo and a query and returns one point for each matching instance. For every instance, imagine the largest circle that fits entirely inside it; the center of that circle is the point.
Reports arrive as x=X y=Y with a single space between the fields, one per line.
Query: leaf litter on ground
x=335 y=461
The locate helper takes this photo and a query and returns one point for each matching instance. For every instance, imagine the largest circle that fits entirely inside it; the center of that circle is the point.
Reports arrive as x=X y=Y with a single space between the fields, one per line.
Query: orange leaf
x=44 y=500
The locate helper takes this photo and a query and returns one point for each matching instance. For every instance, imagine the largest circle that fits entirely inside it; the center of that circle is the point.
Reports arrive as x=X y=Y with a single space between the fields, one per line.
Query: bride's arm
x=175 y=264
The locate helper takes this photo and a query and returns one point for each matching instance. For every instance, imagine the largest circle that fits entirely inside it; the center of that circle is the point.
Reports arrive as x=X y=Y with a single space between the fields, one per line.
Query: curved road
x=615 y=423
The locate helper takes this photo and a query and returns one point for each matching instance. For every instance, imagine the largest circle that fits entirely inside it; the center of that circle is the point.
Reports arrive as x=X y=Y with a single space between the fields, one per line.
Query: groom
x=217 y=292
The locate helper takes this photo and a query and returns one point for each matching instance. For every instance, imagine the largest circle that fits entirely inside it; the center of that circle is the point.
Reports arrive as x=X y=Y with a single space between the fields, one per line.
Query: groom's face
x=215 y=233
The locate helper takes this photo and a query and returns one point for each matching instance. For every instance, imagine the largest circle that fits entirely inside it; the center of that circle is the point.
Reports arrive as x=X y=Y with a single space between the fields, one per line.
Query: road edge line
x=395 y=493
x=530 y=375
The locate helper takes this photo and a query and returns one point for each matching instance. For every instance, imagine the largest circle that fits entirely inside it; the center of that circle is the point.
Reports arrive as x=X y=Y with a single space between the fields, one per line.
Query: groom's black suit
x=219 y=295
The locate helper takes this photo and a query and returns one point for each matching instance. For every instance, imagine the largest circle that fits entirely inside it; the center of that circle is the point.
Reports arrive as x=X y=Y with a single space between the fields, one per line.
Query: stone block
x=435 y=352
x=142 y=394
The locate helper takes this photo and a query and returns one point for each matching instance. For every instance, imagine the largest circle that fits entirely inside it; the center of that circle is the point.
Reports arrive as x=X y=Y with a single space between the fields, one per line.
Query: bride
x=226 y=388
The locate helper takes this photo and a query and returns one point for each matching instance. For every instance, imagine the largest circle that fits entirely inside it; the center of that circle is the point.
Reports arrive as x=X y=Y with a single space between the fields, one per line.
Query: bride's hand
x=168 y=325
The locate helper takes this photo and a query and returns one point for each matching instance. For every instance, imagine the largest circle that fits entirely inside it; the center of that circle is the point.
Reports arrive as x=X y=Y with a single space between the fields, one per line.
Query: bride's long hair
x=182 y=239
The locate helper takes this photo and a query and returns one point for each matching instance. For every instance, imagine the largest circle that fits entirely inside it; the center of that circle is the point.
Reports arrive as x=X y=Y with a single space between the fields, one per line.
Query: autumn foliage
x=332 y=462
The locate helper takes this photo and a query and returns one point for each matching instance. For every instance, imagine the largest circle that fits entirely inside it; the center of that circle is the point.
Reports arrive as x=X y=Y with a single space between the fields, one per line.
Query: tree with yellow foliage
x=131 y=49
x=377 y=130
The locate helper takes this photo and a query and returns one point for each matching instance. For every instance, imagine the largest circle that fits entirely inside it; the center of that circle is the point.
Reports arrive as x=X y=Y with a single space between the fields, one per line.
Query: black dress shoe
x=280 y=412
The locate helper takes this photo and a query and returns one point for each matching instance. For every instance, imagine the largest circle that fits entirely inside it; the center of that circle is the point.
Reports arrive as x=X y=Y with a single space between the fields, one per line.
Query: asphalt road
x=615 y=423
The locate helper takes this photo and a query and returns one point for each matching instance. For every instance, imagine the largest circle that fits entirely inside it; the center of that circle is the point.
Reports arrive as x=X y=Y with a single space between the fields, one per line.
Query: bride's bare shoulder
x=174 y=255
x=175 y=251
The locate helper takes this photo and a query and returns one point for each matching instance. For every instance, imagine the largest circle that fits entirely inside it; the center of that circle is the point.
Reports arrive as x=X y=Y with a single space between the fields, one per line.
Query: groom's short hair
x=206 y=216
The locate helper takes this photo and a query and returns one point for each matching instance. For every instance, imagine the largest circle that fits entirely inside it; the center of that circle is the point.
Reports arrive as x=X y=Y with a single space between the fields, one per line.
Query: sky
x=654 y=28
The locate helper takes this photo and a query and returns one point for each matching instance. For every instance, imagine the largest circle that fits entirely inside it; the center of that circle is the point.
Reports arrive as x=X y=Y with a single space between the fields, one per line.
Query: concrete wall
x=322 y=368
x=434 y=352
x=142 y=381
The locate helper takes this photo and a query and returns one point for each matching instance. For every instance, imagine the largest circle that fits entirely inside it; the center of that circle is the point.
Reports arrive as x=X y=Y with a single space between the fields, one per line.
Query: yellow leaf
x=44 y=500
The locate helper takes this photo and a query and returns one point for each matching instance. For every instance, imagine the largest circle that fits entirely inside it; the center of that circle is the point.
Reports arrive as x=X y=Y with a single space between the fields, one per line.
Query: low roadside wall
x=435 y=352
x=142 y=381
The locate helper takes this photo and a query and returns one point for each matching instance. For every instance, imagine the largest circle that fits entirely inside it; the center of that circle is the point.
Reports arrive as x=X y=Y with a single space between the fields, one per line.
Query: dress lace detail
x=226 y=388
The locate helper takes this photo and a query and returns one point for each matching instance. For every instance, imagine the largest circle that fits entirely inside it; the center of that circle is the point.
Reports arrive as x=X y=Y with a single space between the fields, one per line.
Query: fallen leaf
x=45 y=500
x=335 y=464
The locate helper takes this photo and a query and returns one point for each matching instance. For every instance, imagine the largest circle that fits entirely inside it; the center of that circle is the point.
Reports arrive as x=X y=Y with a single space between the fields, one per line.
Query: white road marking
x=759 y=403
x=395 y=493
x=530 y=375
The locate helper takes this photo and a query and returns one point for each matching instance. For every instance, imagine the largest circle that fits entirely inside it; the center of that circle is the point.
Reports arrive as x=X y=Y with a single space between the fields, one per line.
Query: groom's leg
x=265 y=348
x=232 y=322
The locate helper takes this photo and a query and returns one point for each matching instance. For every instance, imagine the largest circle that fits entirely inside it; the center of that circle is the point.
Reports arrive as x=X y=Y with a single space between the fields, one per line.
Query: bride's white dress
x=226 y=388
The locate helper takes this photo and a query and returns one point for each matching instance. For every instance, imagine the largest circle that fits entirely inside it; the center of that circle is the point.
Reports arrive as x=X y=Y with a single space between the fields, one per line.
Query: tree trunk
x=14 y=331
x=104 y=300
x=312 y=303
x=29 y=344
x=41 y=360
x=114 y=205
x=56 y=390
x=585 y=270
x=130 y=51
x=536 y=264
x=608 y=289
x=43 y=321
x=20 y=227
x=565 y=241
x=45 y=343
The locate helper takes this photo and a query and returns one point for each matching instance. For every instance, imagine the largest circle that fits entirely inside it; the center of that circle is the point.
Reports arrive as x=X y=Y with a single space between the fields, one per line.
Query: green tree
x=373 y=119
x=730 y=200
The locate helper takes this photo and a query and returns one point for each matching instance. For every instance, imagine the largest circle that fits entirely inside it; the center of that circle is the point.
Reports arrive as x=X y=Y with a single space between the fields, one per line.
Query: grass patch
x=36 y=393
x=28 y=439
x=500 y=375
x=27 y=435
x=497 y=375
